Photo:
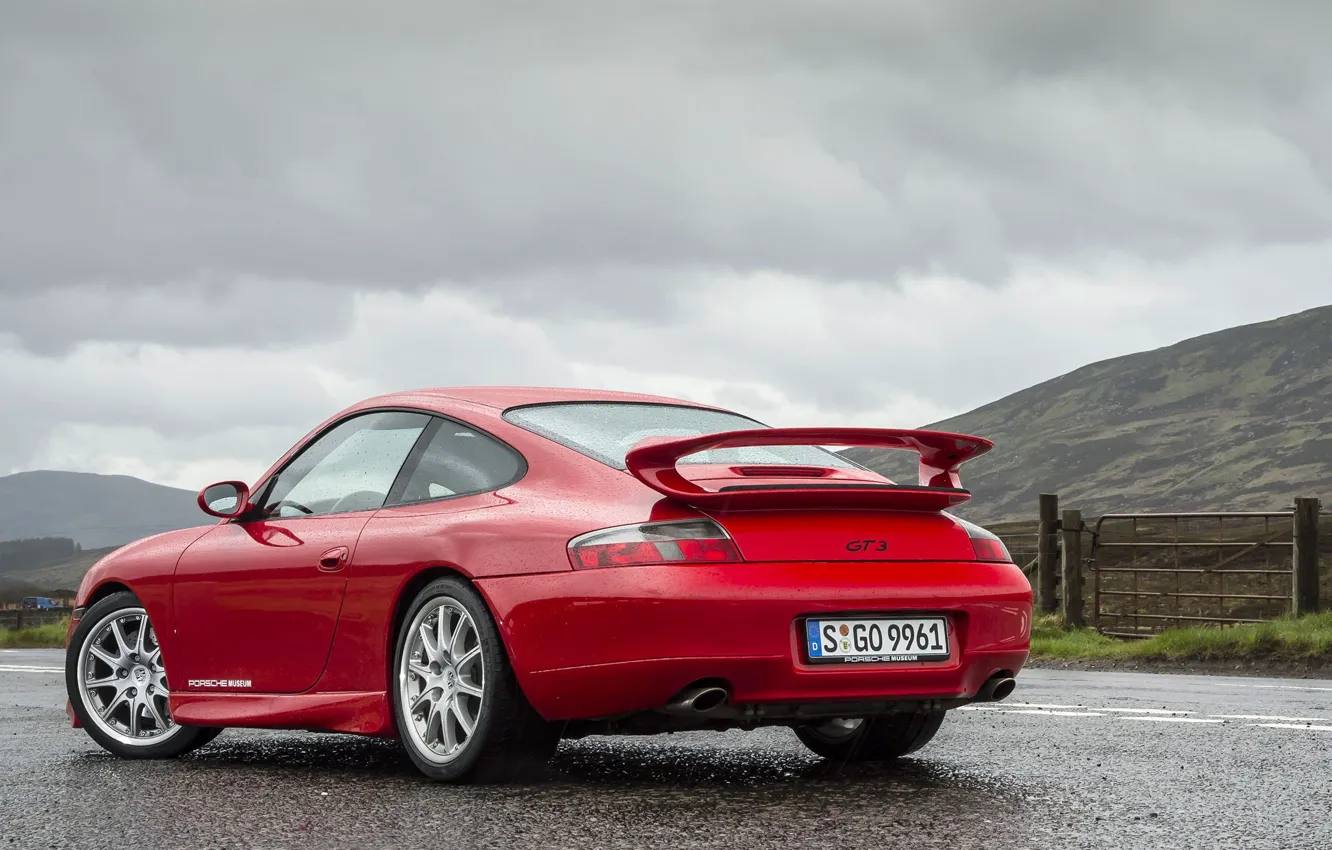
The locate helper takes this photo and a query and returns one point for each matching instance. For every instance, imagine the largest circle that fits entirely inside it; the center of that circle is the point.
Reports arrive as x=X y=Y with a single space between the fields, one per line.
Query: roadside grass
x=1288 y=639
x=34 y=637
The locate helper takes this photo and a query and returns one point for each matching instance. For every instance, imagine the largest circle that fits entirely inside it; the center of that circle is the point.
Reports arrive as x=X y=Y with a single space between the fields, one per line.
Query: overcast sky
x=221 y=222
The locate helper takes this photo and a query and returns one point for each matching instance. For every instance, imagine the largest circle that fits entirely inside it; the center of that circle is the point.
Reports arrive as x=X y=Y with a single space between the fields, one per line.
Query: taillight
x=677 y=542
x=985 y=544
x=990 y=550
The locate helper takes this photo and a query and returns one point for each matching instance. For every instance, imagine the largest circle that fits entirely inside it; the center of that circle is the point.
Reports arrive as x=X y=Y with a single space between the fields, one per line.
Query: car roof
x=481 y=406
x=502 y=398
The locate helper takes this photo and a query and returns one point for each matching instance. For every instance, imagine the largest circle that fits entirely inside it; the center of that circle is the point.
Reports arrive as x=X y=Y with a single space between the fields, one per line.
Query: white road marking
x=1166 y=715
x=1287 y=688
x=1008 y=705
x=1142 y=711
x=1293 y=726
x=1274 y=718
x=17 y=668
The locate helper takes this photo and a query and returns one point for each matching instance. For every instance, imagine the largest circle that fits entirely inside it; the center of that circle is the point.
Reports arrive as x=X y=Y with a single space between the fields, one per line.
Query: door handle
x=333 y=560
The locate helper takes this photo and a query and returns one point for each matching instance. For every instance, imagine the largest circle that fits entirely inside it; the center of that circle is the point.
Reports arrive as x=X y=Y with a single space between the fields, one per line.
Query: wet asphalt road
x=1085 y=760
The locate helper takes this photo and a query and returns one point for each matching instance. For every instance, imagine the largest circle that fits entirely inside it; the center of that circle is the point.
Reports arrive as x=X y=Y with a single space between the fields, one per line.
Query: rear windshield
x=607 y=431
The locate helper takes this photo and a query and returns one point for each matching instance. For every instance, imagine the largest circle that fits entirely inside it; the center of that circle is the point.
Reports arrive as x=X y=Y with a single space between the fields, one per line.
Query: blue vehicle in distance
x=39 y=602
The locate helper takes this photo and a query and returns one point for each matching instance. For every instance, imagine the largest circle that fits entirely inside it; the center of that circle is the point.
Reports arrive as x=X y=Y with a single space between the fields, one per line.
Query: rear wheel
x=117 y=684
x=871 y=738
x=460 y=713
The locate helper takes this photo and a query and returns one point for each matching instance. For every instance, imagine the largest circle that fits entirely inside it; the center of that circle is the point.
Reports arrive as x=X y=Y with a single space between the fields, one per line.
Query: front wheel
x=117 y=684
x=460 y=713
x=872 y=738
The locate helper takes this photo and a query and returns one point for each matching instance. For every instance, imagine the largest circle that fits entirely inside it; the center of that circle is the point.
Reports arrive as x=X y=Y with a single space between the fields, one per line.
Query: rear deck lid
x=846 y=535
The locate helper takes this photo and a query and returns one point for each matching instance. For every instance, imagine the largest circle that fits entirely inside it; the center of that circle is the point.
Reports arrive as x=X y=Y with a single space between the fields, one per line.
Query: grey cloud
x=110 y=401
x=210 y=312
x=957 y=345
x=206 y=204
x=160 y=388
x=401 y=342
x=528 y=148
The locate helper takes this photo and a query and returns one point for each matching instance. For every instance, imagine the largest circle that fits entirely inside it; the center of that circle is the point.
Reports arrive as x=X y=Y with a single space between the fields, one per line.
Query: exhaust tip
x=996 y=687
x=708 y=698
x=698 y=700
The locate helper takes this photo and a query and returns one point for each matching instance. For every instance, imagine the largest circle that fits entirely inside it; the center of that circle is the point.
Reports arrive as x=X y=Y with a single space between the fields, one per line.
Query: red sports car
x=481 y=572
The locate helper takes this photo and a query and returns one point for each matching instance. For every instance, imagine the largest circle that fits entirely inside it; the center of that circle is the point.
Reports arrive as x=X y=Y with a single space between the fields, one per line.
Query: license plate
x=856 y=640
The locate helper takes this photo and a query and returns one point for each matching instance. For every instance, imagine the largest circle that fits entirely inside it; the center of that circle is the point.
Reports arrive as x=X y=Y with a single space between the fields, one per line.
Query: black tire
x=875 y=739
x=509 y=739
x=178 y=740
x=207 y=734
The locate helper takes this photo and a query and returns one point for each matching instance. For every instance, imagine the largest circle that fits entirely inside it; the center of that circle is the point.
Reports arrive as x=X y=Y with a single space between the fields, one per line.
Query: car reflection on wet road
x=1070 y=760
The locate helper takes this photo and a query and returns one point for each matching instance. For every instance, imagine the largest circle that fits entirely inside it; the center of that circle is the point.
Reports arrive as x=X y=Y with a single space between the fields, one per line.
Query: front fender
x=146 y=568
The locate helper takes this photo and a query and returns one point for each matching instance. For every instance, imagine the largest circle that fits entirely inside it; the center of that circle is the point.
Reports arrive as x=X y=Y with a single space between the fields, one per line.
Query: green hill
x=64 y=575
x=1240 y=419
x=93 y=510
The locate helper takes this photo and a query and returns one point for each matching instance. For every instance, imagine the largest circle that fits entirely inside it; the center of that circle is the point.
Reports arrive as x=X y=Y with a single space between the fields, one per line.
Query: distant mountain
x=1240 y=419
x=15 y=583
x=94 y=510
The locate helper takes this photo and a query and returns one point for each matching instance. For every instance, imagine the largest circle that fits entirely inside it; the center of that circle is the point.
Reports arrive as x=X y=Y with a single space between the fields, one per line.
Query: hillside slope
x=95 y=510
x=65 y=575
x=1240 y=419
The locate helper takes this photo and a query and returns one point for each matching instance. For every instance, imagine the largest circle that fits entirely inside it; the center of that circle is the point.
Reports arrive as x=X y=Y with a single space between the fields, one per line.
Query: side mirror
x=227 y=499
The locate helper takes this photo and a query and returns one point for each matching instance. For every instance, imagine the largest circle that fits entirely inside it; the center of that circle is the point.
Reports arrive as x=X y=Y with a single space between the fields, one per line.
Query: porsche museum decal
x=219 y=683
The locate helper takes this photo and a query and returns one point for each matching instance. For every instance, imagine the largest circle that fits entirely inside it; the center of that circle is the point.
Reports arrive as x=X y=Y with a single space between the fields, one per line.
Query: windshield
x=607 y=431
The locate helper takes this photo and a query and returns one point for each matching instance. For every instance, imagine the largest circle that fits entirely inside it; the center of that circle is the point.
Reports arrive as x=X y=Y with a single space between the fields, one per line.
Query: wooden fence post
x=1304 y=592
x=1072 y=526
x=1047 y=554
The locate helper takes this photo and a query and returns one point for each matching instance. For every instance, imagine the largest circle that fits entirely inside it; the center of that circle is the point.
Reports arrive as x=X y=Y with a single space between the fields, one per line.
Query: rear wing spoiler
x=653 y=461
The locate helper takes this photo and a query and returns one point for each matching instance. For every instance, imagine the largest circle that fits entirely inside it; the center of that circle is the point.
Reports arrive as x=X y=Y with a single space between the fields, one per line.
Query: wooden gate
x=1157 y=571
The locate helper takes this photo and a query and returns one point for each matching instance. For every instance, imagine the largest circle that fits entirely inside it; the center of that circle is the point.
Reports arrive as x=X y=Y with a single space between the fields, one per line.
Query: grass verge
x=1304 y=639
x=49 y=635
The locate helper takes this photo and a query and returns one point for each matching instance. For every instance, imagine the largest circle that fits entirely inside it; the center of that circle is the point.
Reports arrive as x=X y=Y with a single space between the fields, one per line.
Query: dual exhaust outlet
x=704 y=699
x=698 y=700
x=996 y=687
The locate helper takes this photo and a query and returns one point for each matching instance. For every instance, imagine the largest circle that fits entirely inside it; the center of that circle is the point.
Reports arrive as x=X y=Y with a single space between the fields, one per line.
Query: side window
x=456 y=461
x=351 y=468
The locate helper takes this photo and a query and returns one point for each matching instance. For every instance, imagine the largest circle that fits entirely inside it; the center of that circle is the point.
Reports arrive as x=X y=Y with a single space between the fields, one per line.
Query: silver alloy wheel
x=122 y=682
x=441 y=680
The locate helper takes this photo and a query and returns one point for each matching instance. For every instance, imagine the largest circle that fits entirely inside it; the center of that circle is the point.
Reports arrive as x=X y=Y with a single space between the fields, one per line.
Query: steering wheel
x=274 y=508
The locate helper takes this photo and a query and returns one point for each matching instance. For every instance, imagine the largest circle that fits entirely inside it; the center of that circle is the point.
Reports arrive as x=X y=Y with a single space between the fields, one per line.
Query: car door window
x=350 y=468
x=457 y=460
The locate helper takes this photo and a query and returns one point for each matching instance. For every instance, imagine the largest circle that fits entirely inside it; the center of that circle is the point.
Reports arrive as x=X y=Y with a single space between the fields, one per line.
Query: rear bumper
x=604 y=642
